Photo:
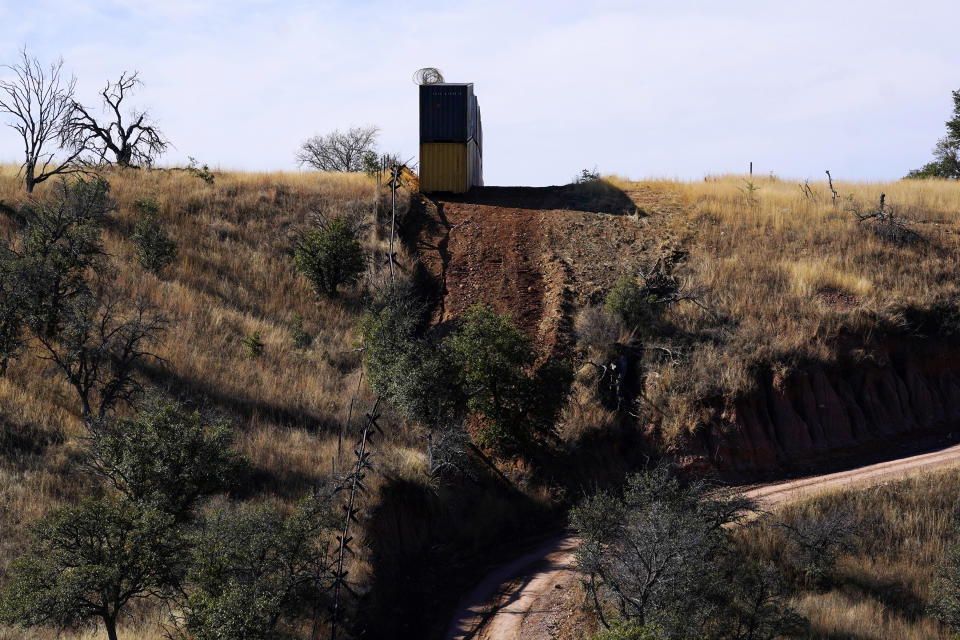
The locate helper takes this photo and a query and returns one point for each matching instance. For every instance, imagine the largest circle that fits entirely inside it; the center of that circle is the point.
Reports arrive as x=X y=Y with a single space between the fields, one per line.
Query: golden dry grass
x=782 y=273
x=233 y=276
x=880 y=591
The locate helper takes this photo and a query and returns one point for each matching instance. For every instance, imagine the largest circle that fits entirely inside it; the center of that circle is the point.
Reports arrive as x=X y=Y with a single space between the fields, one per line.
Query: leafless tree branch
x=136 y=143
x=338 y=151
x=39 y=100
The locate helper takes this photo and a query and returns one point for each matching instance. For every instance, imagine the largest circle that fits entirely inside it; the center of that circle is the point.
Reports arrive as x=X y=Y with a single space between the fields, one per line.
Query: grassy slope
x=767 y=270
x=881 y=590
x=783 y=274
x=233 y=276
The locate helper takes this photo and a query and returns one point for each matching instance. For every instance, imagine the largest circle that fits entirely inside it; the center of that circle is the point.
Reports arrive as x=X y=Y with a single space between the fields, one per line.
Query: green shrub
x=299 y=338
x=11 y=314
x=493 y=359
x=587 y=176
x=627 y=301
x=166 y=457
x=254 y=345
x=256 y=572
x=199 y=171
x=944 y=603
x=153 y=247
x=330 y=256
x=412 y=372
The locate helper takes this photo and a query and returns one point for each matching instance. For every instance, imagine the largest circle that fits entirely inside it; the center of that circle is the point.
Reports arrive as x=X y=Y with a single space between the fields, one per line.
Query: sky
x=679 y=89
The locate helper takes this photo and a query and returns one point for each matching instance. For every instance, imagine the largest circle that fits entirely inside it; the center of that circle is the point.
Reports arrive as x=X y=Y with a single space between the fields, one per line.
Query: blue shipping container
x=448 y=113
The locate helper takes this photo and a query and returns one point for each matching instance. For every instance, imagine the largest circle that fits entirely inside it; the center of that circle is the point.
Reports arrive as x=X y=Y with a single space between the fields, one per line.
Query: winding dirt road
x=518 y=599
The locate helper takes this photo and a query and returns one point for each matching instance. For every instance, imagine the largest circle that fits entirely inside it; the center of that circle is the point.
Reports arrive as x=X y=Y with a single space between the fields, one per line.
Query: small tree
x=412 y=372
x=62 y=247
x=946 y=163
x=493 y=359
x=255 y=572
x=816 y=540
x=153 y=247
x=39 y=100
x=330 y=256
x=134 y=142
x=99 y=346
x=165 y=457
x=87 y=563
x=651 y=553
x=755 y=604
x=254 y=345
x=299 y=337
x=339 y=151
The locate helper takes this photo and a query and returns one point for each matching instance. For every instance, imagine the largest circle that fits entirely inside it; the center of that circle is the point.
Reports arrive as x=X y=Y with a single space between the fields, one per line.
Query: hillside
x=761 y=298
x=233 y=277
x=793 y=331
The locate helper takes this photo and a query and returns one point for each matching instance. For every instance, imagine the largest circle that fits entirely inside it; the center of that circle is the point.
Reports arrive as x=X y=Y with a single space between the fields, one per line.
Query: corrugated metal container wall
x=479 y=136
x=476 y=175
x=445 y=113
x=450 y=166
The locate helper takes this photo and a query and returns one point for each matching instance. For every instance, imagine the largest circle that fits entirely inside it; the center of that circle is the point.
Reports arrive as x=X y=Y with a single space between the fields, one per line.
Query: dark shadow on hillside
x=244 y=409
x=894 y=596
x=595 y=197
x=22 y=440
x=431 y=544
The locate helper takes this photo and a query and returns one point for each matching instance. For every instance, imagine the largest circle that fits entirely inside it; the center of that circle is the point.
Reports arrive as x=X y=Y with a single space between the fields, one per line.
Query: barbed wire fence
x=354 y=481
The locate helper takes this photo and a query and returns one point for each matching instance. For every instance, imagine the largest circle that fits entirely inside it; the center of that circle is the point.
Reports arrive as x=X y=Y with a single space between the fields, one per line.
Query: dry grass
x=233 y=276
x=880 y=591
x=783 y=272
x=780 y=275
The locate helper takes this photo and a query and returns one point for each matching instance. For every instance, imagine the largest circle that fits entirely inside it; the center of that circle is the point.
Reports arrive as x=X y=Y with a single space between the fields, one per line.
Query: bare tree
x=814 y=541
x=135 y=142
x=339 y=151
x=40 y=101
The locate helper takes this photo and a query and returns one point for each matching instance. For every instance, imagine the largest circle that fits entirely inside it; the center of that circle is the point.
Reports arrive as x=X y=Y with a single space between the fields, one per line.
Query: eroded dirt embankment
x=535 y=253
x=540 y=253
x=905 y=390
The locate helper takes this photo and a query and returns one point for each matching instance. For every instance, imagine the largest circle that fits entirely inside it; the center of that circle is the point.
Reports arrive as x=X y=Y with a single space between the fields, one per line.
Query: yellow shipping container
x=450 y=166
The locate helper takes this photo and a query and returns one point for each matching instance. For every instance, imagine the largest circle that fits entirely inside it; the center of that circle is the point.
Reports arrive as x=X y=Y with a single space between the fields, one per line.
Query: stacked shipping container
x=451 y=138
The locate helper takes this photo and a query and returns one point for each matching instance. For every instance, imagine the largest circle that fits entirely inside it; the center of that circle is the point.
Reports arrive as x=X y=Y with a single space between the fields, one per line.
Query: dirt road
x=521 y=599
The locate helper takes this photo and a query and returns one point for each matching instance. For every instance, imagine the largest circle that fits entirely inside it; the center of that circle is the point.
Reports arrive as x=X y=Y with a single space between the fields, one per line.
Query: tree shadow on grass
x=245 y=409
x=894 y=596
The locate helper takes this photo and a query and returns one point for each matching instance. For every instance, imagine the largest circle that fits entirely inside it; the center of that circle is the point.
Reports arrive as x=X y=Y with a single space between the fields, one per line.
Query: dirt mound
x=534 y=253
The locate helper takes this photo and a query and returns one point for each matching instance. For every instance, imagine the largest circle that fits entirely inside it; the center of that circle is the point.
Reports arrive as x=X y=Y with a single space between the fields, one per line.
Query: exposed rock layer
x=820 y=412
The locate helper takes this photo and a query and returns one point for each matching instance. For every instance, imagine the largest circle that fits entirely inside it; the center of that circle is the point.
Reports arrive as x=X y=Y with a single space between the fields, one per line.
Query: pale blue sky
x=642 y=89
